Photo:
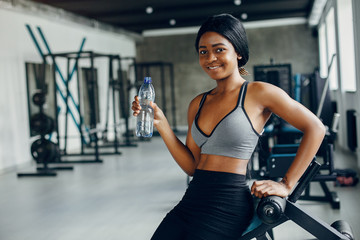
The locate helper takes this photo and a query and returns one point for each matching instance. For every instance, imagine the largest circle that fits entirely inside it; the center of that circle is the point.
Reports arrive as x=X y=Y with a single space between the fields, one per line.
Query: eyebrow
x=214 y=45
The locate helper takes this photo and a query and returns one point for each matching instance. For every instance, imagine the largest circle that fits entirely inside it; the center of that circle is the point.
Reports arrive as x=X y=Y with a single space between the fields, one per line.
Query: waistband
x=215 y=177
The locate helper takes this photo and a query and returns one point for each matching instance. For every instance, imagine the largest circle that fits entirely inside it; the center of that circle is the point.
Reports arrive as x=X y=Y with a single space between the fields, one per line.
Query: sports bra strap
x=243 y=93
x=201 y=103
x=203 y=99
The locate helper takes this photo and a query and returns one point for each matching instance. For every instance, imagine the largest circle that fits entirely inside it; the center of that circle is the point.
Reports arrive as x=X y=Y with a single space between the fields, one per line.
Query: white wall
x=16 y=48
x=356 y=16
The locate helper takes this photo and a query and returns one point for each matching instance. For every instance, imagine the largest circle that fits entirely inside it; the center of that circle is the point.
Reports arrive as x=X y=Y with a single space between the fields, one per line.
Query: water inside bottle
x=144 y=125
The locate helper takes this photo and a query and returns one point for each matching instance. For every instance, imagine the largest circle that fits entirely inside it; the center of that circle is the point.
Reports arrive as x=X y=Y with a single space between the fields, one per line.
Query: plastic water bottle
x=145 y=119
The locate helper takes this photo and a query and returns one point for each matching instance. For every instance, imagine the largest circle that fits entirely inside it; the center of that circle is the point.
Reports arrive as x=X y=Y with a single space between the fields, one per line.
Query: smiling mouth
x=212 y=68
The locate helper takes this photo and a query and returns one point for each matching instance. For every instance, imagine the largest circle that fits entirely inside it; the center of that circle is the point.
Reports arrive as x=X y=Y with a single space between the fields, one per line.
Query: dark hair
x=232 y=29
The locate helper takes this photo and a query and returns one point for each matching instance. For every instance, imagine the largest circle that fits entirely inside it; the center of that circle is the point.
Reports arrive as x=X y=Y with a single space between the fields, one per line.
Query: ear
x=239 y=57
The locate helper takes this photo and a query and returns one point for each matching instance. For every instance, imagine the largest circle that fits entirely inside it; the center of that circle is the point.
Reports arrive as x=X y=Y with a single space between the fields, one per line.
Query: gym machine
x=43 y=150
x=278 y=145
x=74 y=114
x=58 y=88
x=118 y=92
x=280 y=159
x=273 y=211
x=72 y=107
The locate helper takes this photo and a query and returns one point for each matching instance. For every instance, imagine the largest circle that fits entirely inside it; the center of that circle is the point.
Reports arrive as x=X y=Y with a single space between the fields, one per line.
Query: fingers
x=266 y=188
x=260 y=189
x=153 y=105
x=136 y=106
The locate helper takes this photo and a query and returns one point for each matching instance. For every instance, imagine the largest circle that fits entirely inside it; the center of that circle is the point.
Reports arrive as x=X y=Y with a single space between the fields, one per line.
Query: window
x=346 y=45
x=331 y=49
x=336 y=33
x=322 y=53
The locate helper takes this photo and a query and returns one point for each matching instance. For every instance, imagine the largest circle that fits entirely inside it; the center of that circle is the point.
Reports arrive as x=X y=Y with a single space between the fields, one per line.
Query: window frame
x=340 y=66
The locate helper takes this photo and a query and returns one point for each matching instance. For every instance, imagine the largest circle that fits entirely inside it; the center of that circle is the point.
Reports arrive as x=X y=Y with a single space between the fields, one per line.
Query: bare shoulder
x=259 y=87
x=194 y=106
x=267 y=93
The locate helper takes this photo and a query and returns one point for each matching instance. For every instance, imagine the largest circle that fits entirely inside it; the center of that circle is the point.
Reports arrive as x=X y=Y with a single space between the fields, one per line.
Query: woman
x=224 y=126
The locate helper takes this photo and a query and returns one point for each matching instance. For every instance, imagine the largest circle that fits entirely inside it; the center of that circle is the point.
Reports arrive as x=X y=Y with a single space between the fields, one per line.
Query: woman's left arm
x=278 y=102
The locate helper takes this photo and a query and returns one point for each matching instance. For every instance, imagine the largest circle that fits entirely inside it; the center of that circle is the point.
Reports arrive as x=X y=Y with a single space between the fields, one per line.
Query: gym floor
x=126 y=197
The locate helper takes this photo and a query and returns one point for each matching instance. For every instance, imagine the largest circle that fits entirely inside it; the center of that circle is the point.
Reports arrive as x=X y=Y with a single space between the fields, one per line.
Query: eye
x=220 y=50
x=202 y=52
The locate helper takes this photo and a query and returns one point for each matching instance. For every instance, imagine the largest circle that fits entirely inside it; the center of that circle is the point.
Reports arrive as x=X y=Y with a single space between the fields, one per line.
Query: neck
x=229 y=84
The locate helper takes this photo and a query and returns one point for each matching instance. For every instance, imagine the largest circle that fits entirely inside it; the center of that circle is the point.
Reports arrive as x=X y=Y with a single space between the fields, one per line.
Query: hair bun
x=243 y=71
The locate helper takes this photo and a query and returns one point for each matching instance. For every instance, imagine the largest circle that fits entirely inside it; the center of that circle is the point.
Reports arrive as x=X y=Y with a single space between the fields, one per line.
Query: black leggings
x=216 y=206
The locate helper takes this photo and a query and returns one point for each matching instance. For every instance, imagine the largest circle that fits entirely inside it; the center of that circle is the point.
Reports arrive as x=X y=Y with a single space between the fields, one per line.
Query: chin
x=214 y=75
x=218 y=77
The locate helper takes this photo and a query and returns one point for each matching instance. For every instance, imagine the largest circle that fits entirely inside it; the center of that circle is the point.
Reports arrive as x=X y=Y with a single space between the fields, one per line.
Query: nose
x=211 y=57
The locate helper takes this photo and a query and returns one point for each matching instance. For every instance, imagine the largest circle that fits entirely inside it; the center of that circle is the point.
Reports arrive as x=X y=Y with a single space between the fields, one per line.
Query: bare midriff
x=222 y=164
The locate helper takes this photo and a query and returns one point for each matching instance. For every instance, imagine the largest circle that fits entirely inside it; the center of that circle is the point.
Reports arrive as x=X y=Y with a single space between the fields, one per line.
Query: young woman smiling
x=224 y=126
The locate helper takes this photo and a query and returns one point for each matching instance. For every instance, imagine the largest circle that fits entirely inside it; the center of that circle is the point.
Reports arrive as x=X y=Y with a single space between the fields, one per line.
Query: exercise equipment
x=43 y=150
x=277 y=74
x=279 y=157
x=283 y=155
x=88 y=134
x=39 y=98
x=351 y=129
x=279 y=144
x=41 y=124
x=91 y=94
x=273 y=211
x=42 y=76
x=57 y=88
x=118 y=93
x=88 y=103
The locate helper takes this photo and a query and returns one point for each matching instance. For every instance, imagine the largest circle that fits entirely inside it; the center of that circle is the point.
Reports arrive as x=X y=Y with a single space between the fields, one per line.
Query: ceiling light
x=172 y=22
x=149 y=10
x=244 y=16
x=237 y=2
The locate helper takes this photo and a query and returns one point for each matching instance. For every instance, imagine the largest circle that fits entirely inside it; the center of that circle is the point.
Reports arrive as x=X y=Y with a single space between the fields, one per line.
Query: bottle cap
x=147 y=80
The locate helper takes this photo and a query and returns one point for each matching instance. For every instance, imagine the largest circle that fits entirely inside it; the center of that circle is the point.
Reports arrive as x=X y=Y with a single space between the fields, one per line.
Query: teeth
x=213 y=67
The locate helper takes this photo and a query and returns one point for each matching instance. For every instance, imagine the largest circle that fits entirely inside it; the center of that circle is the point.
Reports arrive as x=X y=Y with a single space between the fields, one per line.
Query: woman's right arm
x=186 y=156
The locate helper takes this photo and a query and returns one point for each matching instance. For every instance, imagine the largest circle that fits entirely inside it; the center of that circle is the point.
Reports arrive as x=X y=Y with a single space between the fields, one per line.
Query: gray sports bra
x=234 y=136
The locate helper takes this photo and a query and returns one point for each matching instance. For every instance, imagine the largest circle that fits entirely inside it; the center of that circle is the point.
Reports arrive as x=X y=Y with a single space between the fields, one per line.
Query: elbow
x=319 y=130
x=315 y=130
x=190 y=172
x=322 y=130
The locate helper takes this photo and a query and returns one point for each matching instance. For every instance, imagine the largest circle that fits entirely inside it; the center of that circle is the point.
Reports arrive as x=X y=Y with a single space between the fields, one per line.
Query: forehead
x=211 y=38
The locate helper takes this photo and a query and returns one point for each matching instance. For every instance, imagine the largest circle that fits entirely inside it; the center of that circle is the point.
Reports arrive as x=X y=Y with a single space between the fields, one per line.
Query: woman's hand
x=136 y=106
x=158 y=113
x=266 y=188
